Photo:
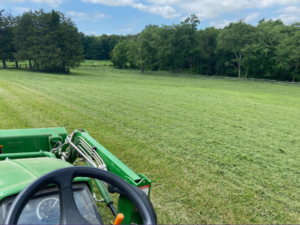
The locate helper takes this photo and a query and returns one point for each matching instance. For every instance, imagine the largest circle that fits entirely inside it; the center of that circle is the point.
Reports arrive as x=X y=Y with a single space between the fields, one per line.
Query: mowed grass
x=216 y=151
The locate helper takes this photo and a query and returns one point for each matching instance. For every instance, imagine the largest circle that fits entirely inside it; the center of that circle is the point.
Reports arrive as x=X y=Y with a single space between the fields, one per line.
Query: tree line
x=270 y=50
x=100 y=47
x=47 y=40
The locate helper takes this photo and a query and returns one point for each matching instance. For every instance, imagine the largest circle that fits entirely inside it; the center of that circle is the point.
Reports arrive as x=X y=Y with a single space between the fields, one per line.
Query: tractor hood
x=16 y=174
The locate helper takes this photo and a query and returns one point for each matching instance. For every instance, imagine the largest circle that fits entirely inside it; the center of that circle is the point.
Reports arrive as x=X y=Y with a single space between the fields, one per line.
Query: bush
x=155 y=66
x=104 y=65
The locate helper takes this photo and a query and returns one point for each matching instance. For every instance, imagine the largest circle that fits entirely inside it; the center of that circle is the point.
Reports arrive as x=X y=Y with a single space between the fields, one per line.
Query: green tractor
x=41 y=181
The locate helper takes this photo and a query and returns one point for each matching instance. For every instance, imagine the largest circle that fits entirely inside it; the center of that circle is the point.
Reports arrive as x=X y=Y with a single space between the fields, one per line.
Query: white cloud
x=294 y=10
x=251 y=17
x=84 y=16
x=208 y=9
x=224 y=23
x=289 y=14
x=127 y=28
x=204 y=9
x=111 y=2
x=52 y=3
x=182 y=19
x=77 y=14
x=21 y=9
x=288 y=19
x=12 y=1
x=166 y=11
x=221 y=24
x=91 y=32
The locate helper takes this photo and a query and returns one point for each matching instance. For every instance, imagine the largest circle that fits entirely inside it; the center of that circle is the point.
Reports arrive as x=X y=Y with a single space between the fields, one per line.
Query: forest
x=45 y=40
x=269 y=50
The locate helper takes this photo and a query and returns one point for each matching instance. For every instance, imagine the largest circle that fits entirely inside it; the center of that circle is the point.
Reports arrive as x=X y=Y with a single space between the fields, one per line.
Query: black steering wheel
x=63 y=178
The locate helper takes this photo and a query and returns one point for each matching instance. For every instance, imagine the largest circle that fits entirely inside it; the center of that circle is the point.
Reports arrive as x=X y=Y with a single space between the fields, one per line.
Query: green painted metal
x=117 y=167
x=18 y=173
x=113 y=164
x=31 y=140
x=27 y=155
x=127 y=207
x=101 y=188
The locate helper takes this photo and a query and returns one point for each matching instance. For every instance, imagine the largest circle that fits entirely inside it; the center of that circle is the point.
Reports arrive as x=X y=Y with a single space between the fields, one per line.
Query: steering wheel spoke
x=69 y=213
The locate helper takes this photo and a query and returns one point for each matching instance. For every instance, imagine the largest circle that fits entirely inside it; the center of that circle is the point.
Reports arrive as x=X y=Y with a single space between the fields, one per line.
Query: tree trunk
x=123 y=65
x=246 y=72
x=35 y=64
x=64 y=65
x=190 y=63
x=17 y=65
x=238 y=59
x=200 y=65
x=296 y=68
x=4 y=64
x=222 y=71
x=30 y=64
x=207 y=66
x=239 y=64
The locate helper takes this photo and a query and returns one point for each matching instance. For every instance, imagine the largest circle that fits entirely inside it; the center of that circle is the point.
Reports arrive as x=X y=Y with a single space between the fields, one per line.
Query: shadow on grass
x=72 y=72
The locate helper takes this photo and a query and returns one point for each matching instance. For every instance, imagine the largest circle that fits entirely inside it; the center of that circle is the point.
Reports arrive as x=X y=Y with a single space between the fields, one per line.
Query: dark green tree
x=209 y=40
x=235 y=37
x=119 y=56
x=50 y=40
x=7 y=22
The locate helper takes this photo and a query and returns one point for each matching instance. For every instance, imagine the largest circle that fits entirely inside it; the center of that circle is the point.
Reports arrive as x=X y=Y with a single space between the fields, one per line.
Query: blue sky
x=131 y=16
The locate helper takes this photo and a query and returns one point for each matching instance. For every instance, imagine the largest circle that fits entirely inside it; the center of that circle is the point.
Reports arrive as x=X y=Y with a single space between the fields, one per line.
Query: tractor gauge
x=48 y=209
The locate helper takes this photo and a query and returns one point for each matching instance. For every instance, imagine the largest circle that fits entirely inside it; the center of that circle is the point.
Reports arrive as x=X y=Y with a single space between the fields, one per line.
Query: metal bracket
x=96 y=200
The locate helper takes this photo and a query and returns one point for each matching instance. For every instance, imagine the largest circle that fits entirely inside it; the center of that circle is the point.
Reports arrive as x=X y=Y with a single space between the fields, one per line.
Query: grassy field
x=216 y=151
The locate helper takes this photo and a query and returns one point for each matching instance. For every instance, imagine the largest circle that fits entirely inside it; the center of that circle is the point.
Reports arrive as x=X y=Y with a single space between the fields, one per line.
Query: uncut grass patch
x=216 y=151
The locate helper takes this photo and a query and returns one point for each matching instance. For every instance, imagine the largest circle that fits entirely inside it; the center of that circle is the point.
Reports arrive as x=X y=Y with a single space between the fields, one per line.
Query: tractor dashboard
x=44 y=207
x=28 y=154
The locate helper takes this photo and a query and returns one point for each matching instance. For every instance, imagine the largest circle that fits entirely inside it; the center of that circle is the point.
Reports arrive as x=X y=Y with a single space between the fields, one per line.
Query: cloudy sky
x=131 y=16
